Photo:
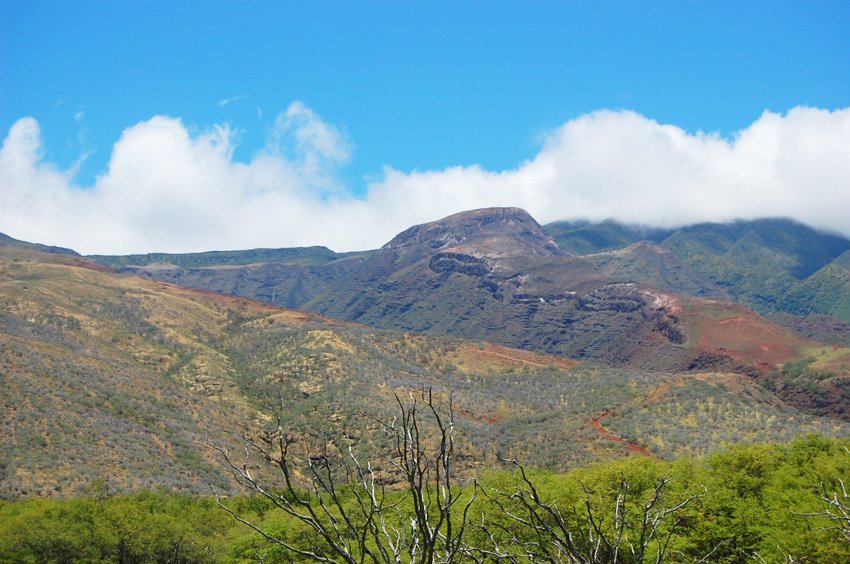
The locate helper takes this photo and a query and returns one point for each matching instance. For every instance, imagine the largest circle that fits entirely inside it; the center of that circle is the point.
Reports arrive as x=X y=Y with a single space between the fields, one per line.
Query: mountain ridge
x=497 y=274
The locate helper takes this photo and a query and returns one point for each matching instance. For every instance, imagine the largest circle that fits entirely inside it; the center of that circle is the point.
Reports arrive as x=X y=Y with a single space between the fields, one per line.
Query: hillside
x=825 y=291
x=126 y=379
x=657 y=266
x=771 y=265
x=6 y=241
x=493 y=274
x=585 y=237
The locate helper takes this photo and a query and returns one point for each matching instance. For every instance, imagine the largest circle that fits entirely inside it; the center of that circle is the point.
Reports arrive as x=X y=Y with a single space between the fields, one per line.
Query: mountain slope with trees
x=771 y=265
x=125 y=379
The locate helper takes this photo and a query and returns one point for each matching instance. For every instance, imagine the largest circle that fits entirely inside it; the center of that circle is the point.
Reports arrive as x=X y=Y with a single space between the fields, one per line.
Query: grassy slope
x=120 y=377
x=655 y=266
x=582 y=238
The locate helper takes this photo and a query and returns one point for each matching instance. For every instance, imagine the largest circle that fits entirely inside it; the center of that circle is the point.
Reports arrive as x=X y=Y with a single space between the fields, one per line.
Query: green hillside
x=772 y=265
x=656 y=266
x=825 y=291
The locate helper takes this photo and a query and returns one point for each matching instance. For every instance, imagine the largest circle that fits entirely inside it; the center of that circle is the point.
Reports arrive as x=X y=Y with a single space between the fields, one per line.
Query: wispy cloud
x=226 y=101
x=167 y=189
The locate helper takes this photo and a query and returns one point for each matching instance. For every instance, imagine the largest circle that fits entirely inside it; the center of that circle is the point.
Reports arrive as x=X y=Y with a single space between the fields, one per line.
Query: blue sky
x=417 y=87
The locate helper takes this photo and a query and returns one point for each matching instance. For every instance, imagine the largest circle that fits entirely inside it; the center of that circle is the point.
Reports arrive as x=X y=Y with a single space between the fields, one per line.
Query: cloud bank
x=167 y=189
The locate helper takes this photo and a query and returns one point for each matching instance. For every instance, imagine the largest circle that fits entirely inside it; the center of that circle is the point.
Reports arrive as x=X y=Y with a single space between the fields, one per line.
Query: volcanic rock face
x=494 y=274
x=459 y=262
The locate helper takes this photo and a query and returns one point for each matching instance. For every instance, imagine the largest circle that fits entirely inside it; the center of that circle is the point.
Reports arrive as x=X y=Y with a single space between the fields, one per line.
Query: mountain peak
x=487 y=231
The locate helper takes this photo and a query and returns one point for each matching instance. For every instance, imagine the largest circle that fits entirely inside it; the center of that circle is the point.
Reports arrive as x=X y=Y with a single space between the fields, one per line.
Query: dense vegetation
x=749 y=502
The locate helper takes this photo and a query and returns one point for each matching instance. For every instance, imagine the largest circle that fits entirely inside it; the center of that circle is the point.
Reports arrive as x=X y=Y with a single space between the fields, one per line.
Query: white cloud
x=624 y=166
x=168 y=190
x=314 y=147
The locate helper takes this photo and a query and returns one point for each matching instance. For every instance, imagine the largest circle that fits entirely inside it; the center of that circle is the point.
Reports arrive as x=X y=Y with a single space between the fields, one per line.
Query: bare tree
x=836 y=503
x=372 y=527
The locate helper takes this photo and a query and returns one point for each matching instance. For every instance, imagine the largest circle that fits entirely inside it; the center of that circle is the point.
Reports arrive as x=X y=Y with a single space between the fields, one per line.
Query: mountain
x=496 y=275
x=299 y=255
x=816 y=326
x=493 y=274
x=757 y=262
x=771 y=265
x=657 y=266
x=584 y=237
x=6 y=241
x=825 y=291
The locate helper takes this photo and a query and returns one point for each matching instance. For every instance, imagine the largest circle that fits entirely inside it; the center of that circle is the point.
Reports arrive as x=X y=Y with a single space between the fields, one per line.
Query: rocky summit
x=491 y=232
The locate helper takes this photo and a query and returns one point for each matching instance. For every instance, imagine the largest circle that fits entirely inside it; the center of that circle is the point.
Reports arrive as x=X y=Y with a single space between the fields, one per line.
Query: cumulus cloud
x=169 y=190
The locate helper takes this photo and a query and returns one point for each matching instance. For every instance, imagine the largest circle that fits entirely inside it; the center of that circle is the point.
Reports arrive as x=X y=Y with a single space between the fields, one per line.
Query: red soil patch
x=489 y=419
x=654 y=396
x=737 y=332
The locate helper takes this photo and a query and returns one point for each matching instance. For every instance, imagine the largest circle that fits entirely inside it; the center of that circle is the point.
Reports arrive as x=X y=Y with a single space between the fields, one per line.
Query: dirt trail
x=596 y=425
x=489 y=419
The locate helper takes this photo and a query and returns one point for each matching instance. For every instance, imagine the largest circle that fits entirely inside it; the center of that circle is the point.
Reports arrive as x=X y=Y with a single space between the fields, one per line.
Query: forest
x=755 y=502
